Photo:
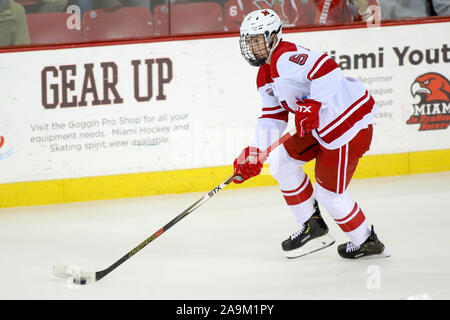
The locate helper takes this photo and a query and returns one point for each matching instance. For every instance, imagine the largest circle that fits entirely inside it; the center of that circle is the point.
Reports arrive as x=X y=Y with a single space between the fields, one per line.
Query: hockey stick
x=83 y=277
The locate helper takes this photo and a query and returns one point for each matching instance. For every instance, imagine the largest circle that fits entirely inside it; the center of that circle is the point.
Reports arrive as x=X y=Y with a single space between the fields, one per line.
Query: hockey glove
x=306 y=115
x=247 y=165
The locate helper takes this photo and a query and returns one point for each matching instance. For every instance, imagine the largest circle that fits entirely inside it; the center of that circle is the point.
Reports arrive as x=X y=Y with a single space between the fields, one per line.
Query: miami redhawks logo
x=433 y=108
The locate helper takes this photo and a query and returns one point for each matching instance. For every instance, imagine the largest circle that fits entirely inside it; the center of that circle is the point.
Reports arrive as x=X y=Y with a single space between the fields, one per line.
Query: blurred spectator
x=291 y=14
x=140 y=3
x=309 y=7
x=343 y=11
x=441 y=7
x=84 y=5
x=114 y=4
x=400 y=9
x=13 y=24
x=108 y=4
x=154 y=3
x=51 y=6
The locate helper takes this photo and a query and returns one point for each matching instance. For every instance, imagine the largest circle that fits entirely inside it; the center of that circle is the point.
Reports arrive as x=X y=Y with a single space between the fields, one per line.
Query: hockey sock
x=300 y=200
x=345 y=212
x=295 y=185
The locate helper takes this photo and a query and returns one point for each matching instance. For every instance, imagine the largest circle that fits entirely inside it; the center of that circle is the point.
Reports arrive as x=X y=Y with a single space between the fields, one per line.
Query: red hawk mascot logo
x=433 y=109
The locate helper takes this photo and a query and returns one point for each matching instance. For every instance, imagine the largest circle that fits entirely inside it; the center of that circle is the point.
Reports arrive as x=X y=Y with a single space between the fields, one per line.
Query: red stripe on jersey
x=284 y=115
x=264 y=76
x=354 y=223
x=271 y=108
x=326 y=67
x=285 y=106
x=344 y=113
x=315 y=66
x=356 y=116
x=282 y=47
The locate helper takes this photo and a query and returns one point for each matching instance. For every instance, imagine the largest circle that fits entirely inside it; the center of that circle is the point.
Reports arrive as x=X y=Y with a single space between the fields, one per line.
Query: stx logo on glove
x=307 y=115
x=304 y=109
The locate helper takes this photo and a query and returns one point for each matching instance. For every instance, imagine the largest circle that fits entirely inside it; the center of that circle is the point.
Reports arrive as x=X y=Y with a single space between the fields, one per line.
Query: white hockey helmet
x=260 y=22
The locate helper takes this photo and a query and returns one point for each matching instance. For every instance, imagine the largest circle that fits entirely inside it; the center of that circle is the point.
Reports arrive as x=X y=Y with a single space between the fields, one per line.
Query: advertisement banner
x=148 y=107
x=407 y=71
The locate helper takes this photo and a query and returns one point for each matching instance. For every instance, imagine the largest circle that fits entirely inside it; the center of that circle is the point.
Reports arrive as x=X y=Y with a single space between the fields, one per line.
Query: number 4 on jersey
x=299 y=58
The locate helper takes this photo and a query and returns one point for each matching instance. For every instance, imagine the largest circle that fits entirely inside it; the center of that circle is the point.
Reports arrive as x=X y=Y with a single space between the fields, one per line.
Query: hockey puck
x=79 y=281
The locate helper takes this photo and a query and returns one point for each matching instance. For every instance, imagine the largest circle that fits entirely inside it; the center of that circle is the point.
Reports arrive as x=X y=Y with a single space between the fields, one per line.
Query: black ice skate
x=312 y=236
x=371 y=248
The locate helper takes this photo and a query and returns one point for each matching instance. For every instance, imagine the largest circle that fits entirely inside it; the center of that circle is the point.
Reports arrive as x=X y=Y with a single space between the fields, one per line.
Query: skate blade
x=382 y=255
x=310 y=247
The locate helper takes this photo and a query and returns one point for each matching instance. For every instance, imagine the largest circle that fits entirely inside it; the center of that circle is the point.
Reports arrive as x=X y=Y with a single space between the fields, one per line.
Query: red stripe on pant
x=304 y=195
x=354 y=222
x=342 y=169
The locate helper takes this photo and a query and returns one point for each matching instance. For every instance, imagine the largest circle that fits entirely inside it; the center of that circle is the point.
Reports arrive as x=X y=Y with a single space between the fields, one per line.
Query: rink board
x=192 y=180
x=167 y=117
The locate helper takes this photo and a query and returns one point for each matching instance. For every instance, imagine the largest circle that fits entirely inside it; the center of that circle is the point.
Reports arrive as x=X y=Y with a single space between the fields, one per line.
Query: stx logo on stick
x=214 y=191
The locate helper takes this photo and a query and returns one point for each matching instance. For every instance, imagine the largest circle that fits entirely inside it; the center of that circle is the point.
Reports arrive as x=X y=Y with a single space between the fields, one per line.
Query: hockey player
x=333 y=117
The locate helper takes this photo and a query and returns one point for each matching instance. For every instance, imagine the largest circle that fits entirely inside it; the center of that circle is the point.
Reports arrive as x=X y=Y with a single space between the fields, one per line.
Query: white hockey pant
x=298 y=192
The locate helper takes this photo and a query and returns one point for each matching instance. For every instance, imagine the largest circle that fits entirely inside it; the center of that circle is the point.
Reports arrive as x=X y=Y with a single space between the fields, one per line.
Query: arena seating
x=185 y=18
x=127 y=23
x=51 y=28
x=122 y=23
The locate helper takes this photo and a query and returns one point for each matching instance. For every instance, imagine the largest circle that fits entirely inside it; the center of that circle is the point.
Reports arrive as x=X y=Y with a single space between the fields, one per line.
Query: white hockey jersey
x=347 y=107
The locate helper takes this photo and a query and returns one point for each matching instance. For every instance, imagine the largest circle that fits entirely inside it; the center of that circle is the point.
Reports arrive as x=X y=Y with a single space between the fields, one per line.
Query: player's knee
x=330 y=199
x=274 y=163
x=282 y=166
x=338 y=205
x=287 y=171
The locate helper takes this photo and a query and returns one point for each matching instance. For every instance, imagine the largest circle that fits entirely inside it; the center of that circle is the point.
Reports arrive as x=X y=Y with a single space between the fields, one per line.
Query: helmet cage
x=257 y=54
x=256 y=40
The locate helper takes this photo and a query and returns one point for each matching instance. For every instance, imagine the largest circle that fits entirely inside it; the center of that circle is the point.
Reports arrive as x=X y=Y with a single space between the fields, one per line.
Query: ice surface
x=230 y=247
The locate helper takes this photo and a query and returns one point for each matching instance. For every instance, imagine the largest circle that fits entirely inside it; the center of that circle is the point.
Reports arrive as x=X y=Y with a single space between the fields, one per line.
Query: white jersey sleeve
x=273 y=120
x=267 y=132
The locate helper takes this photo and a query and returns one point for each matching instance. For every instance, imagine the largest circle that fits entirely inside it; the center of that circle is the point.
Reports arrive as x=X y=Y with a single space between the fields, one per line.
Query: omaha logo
x=432 y=112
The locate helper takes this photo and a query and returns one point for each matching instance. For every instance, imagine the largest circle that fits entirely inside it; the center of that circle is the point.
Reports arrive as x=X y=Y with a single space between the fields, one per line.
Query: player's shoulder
x=264 y=76
x=282 y=48
x=292 y=58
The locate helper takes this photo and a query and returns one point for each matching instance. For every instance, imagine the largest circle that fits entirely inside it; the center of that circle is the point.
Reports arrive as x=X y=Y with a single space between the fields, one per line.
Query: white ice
x=229 y=248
